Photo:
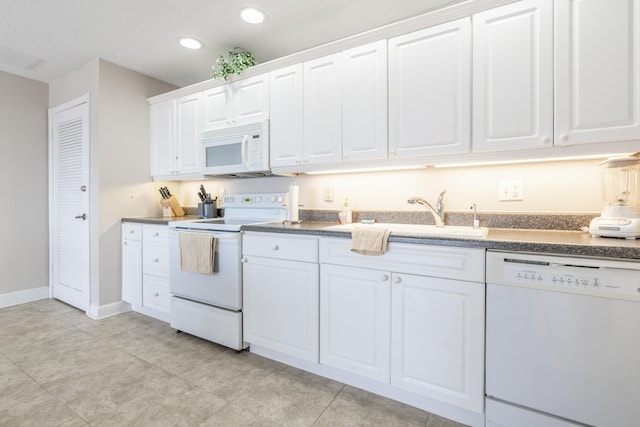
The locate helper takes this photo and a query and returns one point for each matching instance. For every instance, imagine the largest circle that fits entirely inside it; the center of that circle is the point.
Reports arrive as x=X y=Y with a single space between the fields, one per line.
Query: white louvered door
x=69 y=202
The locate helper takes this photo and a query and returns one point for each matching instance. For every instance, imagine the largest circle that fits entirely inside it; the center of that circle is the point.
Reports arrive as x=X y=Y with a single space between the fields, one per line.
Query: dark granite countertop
x=568 y=243
x=159 y=220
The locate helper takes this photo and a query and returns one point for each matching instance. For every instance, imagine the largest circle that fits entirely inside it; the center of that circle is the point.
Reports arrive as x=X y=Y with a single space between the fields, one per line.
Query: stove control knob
x=280 y=199
x=273 y=199
x=258 y=199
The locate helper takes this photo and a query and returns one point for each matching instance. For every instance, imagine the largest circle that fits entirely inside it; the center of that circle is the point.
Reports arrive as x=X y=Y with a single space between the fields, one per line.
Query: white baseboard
x=100 y=312
x=21 y=297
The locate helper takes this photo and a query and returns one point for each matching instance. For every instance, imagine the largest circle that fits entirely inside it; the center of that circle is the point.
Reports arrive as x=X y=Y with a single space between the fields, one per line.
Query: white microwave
x=241 y=150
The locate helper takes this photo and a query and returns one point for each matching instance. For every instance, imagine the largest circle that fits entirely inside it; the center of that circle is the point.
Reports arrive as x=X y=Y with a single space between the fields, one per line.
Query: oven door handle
x=217 y=235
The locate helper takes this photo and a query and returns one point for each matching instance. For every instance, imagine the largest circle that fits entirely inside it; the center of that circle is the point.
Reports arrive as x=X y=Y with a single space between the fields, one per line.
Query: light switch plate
x=328 y=194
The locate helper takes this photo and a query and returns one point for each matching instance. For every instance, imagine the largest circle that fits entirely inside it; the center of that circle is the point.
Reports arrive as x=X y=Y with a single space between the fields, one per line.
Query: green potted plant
x=239 y=60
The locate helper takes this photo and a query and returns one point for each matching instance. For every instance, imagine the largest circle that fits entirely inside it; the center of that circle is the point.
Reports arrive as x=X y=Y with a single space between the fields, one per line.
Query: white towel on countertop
x=197 y=252
x=368 y=240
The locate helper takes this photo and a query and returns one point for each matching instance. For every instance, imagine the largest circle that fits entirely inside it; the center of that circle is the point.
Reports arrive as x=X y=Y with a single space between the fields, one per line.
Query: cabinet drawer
x=131 y=231
x=156 y=235
x=155 y=260
x=427 y=260
x=155 y=293
x=279 y=246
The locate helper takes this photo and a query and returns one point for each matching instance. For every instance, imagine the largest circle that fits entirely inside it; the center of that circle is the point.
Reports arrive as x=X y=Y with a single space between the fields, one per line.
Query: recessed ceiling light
x=190 y=43
x=252 y=15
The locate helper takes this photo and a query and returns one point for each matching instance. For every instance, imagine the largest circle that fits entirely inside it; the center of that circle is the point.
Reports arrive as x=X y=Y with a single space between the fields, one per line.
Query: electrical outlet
x=510 y=190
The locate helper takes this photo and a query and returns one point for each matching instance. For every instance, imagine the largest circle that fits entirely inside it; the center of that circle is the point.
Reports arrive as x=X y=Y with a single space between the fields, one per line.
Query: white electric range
x=210 y=305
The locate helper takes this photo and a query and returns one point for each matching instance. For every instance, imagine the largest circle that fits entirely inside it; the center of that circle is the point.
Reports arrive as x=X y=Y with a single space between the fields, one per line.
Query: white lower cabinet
x=280 y=296
x=145 y=269
x=437 y=337
x=355 y=320
x=412 y=318
x=132 y=263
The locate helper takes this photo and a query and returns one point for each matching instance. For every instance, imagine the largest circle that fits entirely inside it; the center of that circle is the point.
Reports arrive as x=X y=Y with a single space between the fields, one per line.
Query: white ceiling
x=46 y=39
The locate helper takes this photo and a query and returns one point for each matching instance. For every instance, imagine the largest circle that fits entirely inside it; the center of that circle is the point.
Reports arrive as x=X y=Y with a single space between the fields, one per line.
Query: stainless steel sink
x=420 y=230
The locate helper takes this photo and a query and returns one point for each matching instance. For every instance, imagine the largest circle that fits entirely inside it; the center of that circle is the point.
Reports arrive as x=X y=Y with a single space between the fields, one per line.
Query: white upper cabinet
x=322 y=110
x=285 y=105
x=236 y=103
x=513 y=77
x=364 y=102
x=188 y=133
x=597 y=71
x=175 y=138
x=162 y=122
x=430 y=91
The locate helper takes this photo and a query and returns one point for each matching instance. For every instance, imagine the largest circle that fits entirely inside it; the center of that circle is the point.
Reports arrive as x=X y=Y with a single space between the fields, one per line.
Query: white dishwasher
x=562 y=341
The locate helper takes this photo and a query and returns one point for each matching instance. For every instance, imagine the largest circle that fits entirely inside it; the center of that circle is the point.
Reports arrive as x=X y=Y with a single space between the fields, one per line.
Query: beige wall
x=119 y=161
x=566 y=186
x=24 y=254
x=125 y=187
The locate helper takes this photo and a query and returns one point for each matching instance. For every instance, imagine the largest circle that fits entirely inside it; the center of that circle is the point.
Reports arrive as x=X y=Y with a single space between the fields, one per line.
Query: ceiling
x=45 y=40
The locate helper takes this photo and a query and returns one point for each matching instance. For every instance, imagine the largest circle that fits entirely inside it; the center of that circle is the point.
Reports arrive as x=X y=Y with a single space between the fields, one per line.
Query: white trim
x=21 y=297
x=100 y=312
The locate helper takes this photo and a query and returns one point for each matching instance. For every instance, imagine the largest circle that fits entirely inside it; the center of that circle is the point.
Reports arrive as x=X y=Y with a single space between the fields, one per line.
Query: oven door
x=223 y=288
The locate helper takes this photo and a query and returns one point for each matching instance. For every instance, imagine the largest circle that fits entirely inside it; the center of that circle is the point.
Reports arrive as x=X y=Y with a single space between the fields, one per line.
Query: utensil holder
x=210 y=210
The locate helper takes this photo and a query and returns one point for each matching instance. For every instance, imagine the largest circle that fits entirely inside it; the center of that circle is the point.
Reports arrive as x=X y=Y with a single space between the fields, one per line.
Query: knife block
x=173 y=203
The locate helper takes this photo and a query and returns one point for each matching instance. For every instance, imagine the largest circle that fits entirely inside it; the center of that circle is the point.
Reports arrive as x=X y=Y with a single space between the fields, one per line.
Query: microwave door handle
x=245 y=141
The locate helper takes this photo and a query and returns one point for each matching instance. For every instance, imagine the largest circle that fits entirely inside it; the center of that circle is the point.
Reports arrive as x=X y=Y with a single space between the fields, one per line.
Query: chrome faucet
x=438 y=212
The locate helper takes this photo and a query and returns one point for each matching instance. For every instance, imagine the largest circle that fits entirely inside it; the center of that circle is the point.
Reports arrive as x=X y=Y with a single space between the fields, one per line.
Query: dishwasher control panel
x=605 y=278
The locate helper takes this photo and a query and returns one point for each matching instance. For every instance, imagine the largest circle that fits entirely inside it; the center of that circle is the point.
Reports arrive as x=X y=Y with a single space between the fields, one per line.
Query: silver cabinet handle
x=82 y=217
x=131 y=231
x=384 y=278
x=157 y=294
x=243 y=260
x=156 y=260
x=397 y=280
x=275 y=247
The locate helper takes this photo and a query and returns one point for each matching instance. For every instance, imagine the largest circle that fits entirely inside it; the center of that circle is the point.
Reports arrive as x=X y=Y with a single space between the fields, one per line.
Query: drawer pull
x=156 y=260
x=131 y=231
x=243 y=260
x=157 y=294
x=397 y=280
x=275 y=247
x=384 y=278
x=156 y=234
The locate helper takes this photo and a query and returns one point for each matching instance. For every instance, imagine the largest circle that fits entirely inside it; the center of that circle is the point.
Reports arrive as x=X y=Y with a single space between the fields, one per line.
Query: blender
x=621 y=193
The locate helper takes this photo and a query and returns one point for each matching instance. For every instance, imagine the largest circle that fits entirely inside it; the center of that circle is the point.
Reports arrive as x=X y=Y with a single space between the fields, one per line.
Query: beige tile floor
x=60 y=368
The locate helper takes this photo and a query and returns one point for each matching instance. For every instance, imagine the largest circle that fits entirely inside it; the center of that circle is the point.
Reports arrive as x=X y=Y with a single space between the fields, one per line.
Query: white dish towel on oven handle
x=197 y=252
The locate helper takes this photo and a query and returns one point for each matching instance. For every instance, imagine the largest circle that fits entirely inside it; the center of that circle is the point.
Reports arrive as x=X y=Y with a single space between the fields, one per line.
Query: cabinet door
x=513 y=77
x=188 y=134
x=285 y=133
x=438 y=339
x=355 y=319
x=217 y=107
x=323 y=110
x=162 y=119
x=132 y=272
x=430 y=91
x=251 y=99
x=280 y=306
x=597 y=71
x=364 y=102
